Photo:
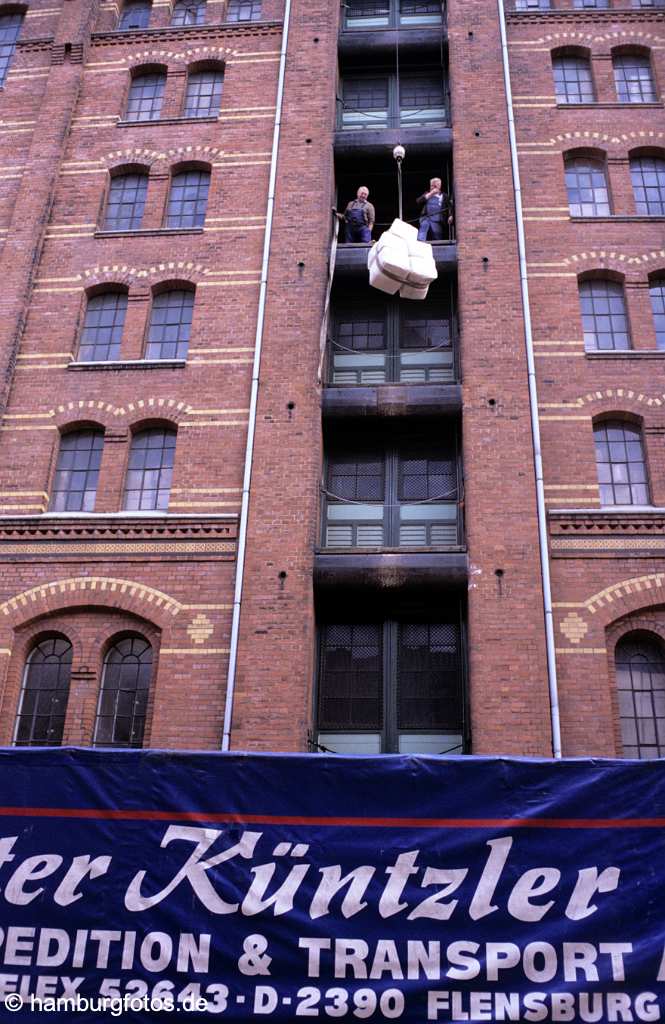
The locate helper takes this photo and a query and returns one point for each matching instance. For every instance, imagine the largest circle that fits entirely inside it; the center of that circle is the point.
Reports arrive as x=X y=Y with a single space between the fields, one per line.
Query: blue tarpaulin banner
x=147 y=885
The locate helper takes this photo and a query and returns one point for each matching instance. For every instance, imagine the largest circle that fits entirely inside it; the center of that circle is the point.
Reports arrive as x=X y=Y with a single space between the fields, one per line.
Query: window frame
x=146 y=71
x=393 y=19
x=145 y=6
x=181 y=172
x=193 y=72
x=638 y=158
x=82 y=342
x=646 y=58
x=395 y=368
x=8 y=49
x=254 y=5
x=570 y=159
x=119 y=174
x=157 y=302
x=164 y=470
x=628 y=426
x=114 y=743
x=390 y=519
x=641 y=639
x=584 y=60
x=392 y=118
x=91 y=470
x=34 y=647
x=389 y=730
x=185 y=5
x=582 y=286
x=657 y=284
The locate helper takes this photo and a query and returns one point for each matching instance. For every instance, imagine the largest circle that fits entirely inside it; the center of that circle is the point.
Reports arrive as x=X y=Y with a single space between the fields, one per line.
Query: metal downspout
x=533 y=403
x=251 y=429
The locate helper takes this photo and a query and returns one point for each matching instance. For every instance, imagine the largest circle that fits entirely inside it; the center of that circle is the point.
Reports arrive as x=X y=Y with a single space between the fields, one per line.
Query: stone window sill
x=631 y=353
x=158 y=121
x=147 y=232
x=129 y=364
x=651 y=105
x=621 y=218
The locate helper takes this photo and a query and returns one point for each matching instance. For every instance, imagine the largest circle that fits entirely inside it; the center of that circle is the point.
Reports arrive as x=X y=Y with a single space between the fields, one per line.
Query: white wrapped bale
x=377 y=277
x=413 y=291
x=399 y=262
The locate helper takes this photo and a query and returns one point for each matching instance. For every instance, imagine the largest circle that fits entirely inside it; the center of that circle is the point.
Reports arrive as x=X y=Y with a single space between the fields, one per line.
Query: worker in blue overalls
x=436 y=211
x=358 y=217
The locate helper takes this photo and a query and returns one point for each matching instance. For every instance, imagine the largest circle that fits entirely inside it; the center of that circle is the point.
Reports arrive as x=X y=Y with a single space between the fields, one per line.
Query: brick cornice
x=180 y=35
x=623 y=522
x=579 y=17
x=100 y=527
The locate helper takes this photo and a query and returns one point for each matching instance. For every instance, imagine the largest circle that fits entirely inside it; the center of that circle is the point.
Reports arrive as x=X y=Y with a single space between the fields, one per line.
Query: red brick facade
x=171 y=578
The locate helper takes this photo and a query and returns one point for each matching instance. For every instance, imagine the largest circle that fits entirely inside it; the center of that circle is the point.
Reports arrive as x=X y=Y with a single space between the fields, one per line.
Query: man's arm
x=371 y=215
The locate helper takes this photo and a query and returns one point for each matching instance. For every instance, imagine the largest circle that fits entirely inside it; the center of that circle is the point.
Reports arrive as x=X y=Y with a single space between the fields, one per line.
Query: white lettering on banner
x=526 y=900
x=98 y=948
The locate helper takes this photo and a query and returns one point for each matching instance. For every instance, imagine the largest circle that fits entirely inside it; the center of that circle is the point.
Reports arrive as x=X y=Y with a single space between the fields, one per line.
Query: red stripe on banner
x=278 y=819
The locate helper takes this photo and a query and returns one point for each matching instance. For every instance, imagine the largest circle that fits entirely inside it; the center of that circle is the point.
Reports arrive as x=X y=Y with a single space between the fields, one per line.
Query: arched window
x=189 y=12
x=150 y=470
x=170 y=324
x=640 y=671
x=648 y=176
x=77 y=472
x=622 y=471
x=146 y=93
x=204 y=93
x=43 y=704
x=10 y=27
x=188 y=199
x=102 y=328
x=123 y=696
x=243 y=10
x=604 y=315
x=126 y=201
x=586 y=182
x=657 y=291
x=573 y=81
x=633 y=78
x=135 y=15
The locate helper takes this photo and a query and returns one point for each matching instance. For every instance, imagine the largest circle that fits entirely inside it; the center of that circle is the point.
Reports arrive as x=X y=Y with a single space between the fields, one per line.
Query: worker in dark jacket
x=359 y=217
x=436 y=210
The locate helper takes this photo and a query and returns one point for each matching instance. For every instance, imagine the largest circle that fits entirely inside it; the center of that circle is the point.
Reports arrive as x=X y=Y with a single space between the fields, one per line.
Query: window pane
x=621 y=466
x=429 y=677
x=126 y=202
x=420 y=12
x=657 y=291
x=422 y=101
x=367 y=13
x=43 y=704
x=77 y=472
x=189 y=12
x=102 y=329
x=604 y=315
x=204 y=94
x=243 y=10
x=188 y=199
x=597 y=4
x=145 y=97
x=572 y=80
x=365 y=102
x=135 y=15
x=532 y=5
x=586 y=183
x=150 y=470
x=648 y=176
x=10 y=27
x=351 y=684
x=123 y=699
x=170 y=325
x=640 y=671
x=633 y=78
